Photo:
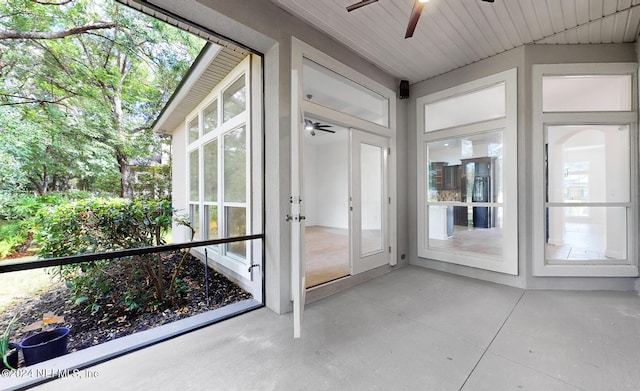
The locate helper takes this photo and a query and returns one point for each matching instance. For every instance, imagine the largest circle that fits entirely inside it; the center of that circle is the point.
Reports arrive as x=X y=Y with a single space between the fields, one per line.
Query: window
x=584 y=215
x=219 y=175
x=330 y=89
x=481 y=105
x=467 y=174
x=235 y=99
x=194 y=130
x=210 y=117
x=566 y=93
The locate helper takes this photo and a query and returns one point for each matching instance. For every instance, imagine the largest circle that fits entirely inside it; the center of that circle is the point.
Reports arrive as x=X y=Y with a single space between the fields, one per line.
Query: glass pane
x=330 y=89
x=235 y=166
x=210 y=117
x=466 y=169
x=194 y=175
x=371 y=167
x=210 y=156
x=194 y=214
x=236 y=226
x=482 y=233
x=586 y=93
x=481 y=105
x=586 y=233
x=212 y=221
x=194 y=133
x=234 y=99
x=588 y=163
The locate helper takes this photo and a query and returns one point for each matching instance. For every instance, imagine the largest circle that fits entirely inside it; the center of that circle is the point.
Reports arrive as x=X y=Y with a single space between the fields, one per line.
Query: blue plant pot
x=13 y=357
x=45 y=345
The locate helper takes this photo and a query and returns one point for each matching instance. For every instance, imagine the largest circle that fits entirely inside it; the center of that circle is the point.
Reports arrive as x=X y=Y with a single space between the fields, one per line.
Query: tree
x=97 y=73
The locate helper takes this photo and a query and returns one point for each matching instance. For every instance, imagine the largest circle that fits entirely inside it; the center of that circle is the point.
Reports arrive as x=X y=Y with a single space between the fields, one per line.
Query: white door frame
x=299 y=51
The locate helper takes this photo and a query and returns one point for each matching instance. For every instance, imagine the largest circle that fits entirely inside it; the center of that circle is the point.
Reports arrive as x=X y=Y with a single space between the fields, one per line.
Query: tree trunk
x=126 y=186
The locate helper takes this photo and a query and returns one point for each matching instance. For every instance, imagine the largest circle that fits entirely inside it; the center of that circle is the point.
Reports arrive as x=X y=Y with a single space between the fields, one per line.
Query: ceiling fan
x=413 y=18
x=313 y=126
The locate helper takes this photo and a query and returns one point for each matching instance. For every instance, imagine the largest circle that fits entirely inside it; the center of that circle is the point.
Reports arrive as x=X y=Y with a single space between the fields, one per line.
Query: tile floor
x=411 y=329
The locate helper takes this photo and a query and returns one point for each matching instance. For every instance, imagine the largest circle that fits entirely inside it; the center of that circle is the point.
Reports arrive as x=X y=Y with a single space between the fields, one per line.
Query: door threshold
x=327 y=289
x=327 y=282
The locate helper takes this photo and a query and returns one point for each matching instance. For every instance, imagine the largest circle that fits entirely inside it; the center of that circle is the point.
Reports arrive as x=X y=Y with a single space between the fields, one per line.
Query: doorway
x=345 y=188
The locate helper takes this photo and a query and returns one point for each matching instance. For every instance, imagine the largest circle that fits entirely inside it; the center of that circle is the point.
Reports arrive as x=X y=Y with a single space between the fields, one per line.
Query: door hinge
x=389 y=200
x=389 y=150
x=389 y=249
x=295 y=218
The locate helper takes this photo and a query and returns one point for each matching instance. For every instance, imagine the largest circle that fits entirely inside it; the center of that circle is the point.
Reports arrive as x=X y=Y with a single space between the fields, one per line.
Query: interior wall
x=522 y=58
x=268 y=29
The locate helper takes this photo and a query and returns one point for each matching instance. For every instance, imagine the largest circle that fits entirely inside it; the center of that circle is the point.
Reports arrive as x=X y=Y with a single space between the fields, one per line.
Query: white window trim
x=234 y=263
x=508 y=262
x=540 y=121
x=301 y=50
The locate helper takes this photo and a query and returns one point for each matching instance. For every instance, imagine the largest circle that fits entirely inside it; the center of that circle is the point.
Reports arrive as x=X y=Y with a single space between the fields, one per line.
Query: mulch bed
x=89 y=329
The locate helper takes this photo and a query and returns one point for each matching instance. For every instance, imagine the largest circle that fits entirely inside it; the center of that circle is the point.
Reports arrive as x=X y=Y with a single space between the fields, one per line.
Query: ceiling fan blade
x=413 y=19
x=326 y=130
x=488 y=1
x=360 y=4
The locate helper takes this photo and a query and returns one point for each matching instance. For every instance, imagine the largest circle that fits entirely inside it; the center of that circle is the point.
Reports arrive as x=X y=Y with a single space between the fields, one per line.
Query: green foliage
x=20 y=214
x=5 y=350
x=97 y=225
x=80 y=108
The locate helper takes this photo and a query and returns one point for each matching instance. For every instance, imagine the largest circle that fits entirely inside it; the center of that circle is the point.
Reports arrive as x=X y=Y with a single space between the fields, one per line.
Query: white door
x=369 y=202
x=296 y=216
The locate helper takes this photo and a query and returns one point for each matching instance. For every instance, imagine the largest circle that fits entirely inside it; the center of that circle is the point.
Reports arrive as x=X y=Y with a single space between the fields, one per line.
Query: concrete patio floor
x=411 y=329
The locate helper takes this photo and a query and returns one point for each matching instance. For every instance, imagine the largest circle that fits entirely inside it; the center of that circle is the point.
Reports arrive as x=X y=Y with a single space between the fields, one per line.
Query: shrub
x=19 y=216
x=99 y=224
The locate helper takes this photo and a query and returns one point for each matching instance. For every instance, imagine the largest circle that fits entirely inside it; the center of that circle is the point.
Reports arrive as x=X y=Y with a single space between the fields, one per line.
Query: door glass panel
x=237 y=226
x=371 y=193
x=481 y=105
x=234 y=99
x=588 y=163
x=235 y=162
x=210 y=155
x=586 y=93
x=589 y=233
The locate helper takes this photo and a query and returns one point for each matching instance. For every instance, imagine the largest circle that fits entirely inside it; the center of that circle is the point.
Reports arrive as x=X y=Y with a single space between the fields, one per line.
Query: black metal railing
x=12 y=266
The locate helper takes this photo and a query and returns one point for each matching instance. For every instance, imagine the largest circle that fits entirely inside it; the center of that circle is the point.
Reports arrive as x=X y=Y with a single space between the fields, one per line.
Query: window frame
x=541 y=121
x=221 y=254
x=508 y=262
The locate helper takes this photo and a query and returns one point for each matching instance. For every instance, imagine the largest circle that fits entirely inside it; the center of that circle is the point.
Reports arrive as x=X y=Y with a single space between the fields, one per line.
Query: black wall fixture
x=404 y=89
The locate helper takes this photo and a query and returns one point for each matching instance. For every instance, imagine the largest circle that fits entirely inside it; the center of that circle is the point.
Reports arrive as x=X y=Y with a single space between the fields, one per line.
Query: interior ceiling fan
x=413 y=19
x=313 y=126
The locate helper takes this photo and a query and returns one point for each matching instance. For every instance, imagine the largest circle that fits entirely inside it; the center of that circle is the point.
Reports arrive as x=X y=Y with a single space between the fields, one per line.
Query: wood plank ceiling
x=454 y=33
